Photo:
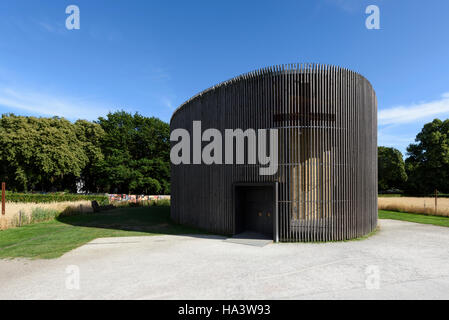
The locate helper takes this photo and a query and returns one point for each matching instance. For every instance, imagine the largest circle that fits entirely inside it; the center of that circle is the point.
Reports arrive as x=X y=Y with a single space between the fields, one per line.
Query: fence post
x=436 y=201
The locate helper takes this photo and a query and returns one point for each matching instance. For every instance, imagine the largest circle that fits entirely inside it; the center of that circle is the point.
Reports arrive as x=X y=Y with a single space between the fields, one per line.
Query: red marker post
x=3 y=198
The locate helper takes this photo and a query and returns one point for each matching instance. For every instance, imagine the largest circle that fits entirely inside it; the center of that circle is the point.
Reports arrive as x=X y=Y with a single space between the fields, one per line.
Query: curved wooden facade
x=326 y=184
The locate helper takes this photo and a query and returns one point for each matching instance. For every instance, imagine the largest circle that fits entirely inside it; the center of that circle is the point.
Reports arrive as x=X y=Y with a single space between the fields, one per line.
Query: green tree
x=39 y=153
x=136 y=153
x=120 y=153
x=427 y=164
x=90 y=136
x=391 y=169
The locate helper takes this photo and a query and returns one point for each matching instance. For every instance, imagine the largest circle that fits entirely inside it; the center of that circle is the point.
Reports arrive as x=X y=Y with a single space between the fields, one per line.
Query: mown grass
x=414 y=217
x=51 y=239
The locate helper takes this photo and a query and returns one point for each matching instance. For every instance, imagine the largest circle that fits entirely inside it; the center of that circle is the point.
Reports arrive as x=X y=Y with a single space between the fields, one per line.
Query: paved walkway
x=403 y=261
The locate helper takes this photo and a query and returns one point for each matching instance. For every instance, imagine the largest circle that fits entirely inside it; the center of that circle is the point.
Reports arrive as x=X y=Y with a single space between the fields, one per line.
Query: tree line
x=130 y=153
x=120 y=153
x=426 y=167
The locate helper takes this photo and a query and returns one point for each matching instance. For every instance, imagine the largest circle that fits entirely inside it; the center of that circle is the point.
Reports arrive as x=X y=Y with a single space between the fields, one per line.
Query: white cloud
x=51 y=105
x=398 y=140
x=56 y=28
x=159 y=74
x=47 y=26
x=415 y=112
x=346 y=5
x=167 y=102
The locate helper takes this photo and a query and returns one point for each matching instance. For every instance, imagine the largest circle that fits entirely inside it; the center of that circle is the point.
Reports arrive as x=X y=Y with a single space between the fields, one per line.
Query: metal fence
x=327 y=177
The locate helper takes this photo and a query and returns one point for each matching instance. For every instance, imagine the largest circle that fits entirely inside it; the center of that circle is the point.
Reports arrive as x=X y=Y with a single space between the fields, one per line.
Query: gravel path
x=402 y=261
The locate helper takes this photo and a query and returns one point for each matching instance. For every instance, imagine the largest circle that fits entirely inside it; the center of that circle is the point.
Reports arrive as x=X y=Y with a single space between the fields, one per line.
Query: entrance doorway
x=255 y=209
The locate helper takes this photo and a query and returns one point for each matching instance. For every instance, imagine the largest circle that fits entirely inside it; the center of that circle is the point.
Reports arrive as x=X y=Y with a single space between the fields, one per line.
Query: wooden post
x=3 y=217
x=3 y=198
x=436 y=201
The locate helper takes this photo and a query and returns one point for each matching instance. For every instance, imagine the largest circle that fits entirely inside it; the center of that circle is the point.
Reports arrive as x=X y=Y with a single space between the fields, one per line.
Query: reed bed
x=415 y=205
x=18 y=214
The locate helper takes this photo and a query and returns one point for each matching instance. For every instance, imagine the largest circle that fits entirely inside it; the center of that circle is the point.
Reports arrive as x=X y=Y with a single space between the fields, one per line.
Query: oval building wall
x=325 y=187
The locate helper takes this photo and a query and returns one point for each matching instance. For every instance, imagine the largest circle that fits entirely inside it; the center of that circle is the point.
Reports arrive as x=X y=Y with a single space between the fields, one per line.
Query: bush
x=143 y=203
x=19 y=219
x=163 y=202
x=39 y=215
x=53 y=197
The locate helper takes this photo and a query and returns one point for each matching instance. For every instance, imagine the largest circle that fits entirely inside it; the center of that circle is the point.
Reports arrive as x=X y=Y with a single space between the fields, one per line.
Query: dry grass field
x=21 y=213
x=415 y=205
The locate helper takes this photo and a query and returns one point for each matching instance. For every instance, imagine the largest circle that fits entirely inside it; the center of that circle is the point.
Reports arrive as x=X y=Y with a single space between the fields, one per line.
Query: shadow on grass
x=53 y=238
x=149 y=219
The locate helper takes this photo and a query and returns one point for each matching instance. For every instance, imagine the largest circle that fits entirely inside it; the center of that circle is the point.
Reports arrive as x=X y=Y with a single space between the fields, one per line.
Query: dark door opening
x=255 y=209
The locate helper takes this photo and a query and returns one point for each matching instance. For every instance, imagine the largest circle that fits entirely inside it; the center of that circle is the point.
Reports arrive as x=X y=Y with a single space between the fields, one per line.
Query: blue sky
x=150 y=56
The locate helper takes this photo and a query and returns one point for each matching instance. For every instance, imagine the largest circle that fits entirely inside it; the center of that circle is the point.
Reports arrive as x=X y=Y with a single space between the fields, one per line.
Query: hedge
x=53 y=197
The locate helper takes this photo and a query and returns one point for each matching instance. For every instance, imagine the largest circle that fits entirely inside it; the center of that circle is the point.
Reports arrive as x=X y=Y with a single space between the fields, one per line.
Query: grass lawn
x=414 y=217
x=54 y=238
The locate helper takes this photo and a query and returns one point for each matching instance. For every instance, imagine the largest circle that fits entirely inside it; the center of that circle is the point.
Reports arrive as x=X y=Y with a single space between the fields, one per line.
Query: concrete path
x=403 y=261
x=250 y=239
